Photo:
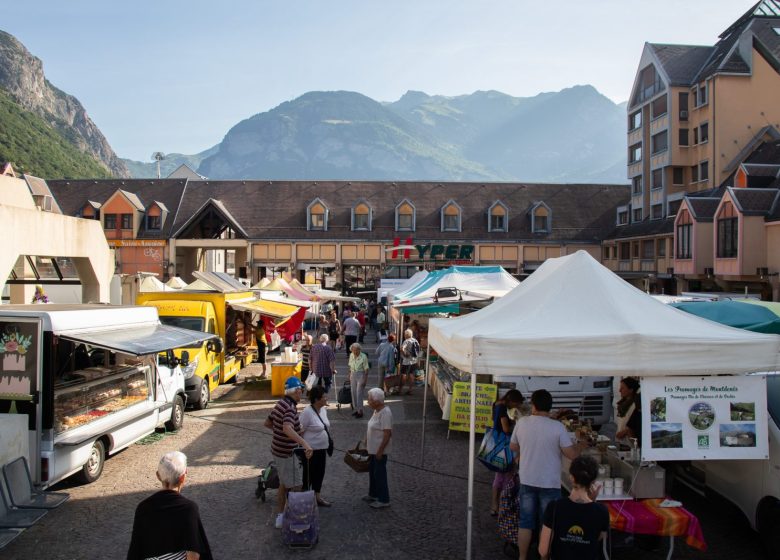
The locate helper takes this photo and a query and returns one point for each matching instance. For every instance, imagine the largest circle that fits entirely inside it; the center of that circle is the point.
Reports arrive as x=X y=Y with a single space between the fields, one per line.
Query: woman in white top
x=378 y=434
x=315 y=426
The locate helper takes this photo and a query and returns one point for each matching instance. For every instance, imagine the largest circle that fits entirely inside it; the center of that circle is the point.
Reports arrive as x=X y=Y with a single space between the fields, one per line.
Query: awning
x=271 y=309
x=140 y=341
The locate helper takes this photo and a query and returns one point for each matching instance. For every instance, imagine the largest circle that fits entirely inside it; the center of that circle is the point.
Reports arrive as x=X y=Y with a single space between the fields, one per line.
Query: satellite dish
x=158 y=157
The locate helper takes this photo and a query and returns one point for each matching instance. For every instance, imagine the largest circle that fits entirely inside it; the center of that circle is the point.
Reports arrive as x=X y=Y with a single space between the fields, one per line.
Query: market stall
x=575 y=317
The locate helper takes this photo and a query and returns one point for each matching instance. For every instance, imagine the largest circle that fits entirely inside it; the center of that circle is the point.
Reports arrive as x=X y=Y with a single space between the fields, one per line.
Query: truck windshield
x=773 y=397
x=192 y=323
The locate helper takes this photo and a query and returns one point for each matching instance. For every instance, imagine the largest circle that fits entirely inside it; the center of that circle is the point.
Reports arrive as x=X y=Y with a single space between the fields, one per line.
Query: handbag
x=357 y=459
x=311 y=381
x=330 y=439
x=494 y=451
x=344 y=395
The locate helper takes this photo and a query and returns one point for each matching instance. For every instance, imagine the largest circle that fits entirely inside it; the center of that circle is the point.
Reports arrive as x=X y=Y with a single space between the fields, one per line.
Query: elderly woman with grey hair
x=358 y=377
x=378 y=434
x=167 y=525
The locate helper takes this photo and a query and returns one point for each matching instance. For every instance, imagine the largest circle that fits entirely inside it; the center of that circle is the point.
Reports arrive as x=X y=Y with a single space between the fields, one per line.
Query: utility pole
x=158 y=156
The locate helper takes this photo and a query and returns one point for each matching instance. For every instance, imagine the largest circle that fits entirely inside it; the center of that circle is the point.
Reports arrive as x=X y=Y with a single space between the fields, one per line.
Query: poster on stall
x=693 y=418
x=460 y=407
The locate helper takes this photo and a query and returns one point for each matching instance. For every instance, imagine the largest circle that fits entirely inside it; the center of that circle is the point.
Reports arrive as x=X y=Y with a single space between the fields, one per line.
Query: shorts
x=533 y=501
x=290 y=471
x=408 y=369
x=261 y=353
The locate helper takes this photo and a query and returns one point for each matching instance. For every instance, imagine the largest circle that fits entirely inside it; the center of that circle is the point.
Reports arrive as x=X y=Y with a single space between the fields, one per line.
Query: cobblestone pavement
x=226 y=445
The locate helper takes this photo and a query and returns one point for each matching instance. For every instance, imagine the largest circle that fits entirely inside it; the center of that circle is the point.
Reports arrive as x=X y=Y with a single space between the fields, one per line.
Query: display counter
x=441 y=379
x=620 y=477
x=280 y=372
x=91 y=394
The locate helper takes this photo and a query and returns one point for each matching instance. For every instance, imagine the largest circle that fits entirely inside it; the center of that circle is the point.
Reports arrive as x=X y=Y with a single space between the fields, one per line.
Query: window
x=656 y=178
x=636 y=185
x=498 y=217
x=673 y=207
x=154 y=222
x=648 y=85
x=317 y=216
x=678 y=176
x=683 y=235
x=361 y=217
x=635 y=250
x=704 y=133
x=625 y=251
x=623 y=217
x=497 y=223
x=700 y=95
x=658 y=107
x=110 y=221
x=637 y=214
x=660 y=248
x=450 y=217
x=635 y=120
x=695 y=136
x=694 y=174
x=683 y=132
x=635 y=153
x=727 y=238
x=659 y=142
x=683 y=102
x=127 y=221
x=656 y=211
x=648 y=249
x=404 y=216
x=704 y=171
x=541 y=218
x=540 y=223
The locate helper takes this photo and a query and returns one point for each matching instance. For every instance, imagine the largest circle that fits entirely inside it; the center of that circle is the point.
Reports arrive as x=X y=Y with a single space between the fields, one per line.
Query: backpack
x=301 y=525
x=415 y=348
x=395 y=354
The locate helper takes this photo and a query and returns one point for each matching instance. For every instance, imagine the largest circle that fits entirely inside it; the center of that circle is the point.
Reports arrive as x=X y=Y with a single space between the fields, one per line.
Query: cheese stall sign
x=460 y=407
x=694 y=418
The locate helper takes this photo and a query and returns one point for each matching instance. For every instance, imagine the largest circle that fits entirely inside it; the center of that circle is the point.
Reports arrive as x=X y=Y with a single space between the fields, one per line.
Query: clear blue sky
x=175 y=75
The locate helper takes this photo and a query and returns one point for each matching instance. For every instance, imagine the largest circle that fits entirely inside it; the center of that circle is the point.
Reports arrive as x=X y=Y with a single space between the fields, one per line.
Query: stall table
x=280 y=372
x=646 y=517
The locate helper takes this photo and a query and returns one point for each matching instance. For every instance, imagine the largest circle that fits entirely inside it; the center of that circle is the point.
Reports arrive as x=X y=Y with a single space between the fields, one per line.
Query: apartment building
x=694 y=114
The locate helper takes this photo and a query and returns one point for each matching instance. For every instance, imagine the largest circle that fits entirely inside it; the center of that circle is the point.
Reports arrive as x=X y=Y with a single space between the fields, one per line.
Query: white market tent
x=573 y=316
x=152 y=284
x=487 y=280
x=176 y=283
x=412 y=281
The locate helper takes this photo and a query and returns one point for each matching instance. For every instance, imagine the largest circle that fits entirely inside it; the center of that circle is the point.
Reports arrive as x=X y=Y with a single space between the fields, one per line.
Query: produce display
x=77 y=405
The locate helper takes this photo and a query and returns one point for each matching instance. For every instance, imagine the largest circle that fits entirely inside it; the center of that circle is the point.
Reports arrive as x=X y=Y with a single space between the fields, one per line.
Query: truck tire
x=768 y=524
x=177 y=415
x=204 y=396
x=93 y=468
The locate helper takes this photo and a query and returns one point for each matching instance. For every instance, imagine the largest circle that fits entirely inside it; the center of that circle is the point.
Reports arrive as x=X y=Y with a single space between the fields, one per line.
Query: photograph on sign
x=692 y=418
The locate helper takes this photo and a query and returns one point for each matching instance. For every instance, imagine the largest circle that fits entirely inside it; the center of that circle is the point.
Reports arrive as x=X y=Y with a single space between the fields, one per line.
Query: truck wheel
x=177 y=415
x=768 y=524
x=203 y=399
x=93 y=468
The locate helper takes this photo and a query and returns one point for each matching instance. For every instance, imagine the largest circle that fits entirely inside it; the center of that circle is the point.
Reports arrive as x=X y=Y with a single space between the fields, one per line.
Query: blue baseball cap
x=293 y=383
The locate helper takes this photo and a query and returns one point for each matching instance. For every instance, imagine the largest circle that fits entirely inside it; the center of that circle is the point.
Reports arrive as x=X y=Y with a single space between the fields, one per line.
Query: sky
x=176 y=75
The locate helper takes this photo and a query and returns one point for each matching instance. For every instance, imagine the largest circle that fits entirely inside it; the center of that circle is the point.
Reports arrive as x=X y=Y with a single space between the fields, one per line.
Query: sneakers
x=380 y=505
x=368 y=498
x=279 y=520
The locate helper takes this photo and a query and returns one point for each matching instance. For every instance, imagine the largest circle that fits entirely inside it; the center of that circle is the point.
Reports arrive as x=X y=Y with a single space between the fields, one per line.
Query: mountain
x=337 y=135
x=23 y=81
x=575 y=135
x=148 y=170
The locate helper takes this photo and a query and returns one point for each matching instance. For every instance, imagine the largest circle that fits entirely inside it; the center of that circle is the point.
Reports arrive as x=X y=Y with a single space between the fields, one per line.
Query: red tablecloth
x=645 y=517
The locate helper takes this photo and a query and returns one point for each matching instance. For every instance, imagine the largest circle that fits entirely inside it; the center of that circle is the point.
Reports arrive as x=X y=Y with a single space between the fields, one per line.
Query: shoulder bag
x=330 y=439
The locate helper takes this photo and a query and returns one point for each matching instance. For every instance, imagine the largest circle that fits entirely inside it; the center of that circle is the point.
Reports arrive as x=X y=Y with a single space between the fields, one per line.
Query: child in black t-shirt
x=574 y=527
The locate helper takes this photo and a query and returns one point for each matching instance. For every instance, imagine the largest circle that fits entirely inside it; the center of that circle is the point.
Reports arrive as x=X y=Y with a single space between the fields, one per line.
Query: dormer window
x=109 y=221
x=450 y=216
x=498 y=217
x=361 y=217
x=541 y=216
x=405 y=216
x=317 y=216
x=154 y=222
x=127 y=221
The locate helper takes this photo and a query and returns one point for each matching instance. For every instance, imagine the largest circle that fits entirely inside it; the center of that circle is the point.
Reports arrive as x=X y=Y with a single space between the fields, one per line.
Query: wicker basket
x=357 y=459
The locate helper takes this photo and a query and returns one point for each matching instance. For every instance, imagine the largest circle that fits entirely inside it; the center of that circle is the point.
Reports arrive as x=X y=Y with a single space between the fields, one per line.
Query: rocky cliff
x=22 y=78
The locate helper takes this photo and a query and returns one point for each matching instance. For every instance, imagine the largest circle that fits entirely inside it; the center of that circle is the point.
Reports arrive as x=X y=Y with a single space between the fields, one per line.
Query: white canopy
x=412 y=281
x=152 y=284
x=176 y=283
x=488 y=280
x=575 y=317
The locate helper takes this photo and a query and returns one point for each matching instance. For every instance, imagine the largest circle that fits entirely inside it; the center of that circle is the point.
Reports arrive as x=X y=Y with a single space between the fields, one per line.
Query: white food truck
x=90 y=380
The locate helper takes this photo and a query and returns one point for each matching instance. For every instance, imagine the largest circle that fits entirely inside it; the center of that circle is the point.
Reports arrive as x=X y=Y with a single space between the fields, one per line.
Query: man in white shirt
x=540 y=441
x=351 y=329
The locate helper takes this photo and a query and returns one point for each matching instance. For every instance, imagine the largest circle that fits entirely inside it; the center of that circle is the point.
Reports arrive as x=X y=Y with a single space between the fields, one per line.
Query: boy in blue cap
x=286 y=427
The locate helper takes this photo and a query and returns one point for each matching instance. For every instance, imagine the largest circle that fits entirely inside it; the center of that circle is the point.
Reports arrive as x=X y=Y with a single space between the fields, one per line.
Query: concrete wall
x=25 y=230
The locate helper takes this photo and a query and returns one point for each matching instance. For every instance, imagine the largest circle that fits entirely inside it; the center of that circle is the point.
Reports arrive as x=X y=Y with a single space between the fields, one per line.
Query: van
x=90 y=380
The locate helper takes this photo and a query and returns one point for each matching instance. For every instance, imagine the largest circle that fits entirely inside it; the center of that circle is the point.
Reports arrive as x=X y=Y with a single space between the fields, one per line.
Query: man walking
x=351 y=330
x=539 y=440
x=322 y=362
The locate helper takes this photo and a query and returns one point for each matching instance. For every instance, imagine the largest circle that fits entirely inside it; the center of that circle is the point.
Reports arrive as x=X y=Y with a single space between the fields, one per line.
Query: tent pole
x=472 y=438
x=425 y=401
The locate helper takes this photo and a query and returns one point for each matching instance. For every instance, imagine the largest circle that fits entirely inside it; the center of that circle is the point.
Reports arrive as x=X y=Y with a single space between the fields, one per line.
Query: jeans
x=325 y=382
x=377 y=478
x=357 y=382
x=349 y=340
x=533 y=502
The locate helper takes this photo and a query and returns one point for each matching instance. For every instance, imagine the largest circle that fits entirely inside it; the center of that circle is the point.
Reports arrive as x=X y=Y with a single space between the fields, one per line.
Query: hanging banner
x=715 y=417
x=460 y=407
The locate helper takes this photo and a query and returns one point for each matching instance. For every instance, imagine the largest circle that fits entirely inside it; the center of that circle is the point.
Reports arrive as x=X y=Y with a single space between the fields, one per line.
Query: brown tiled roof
x=681 y=62
x=277 y=209
x=703 y=208
x=644 y=228
x=73 y=195
x=754 y=202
